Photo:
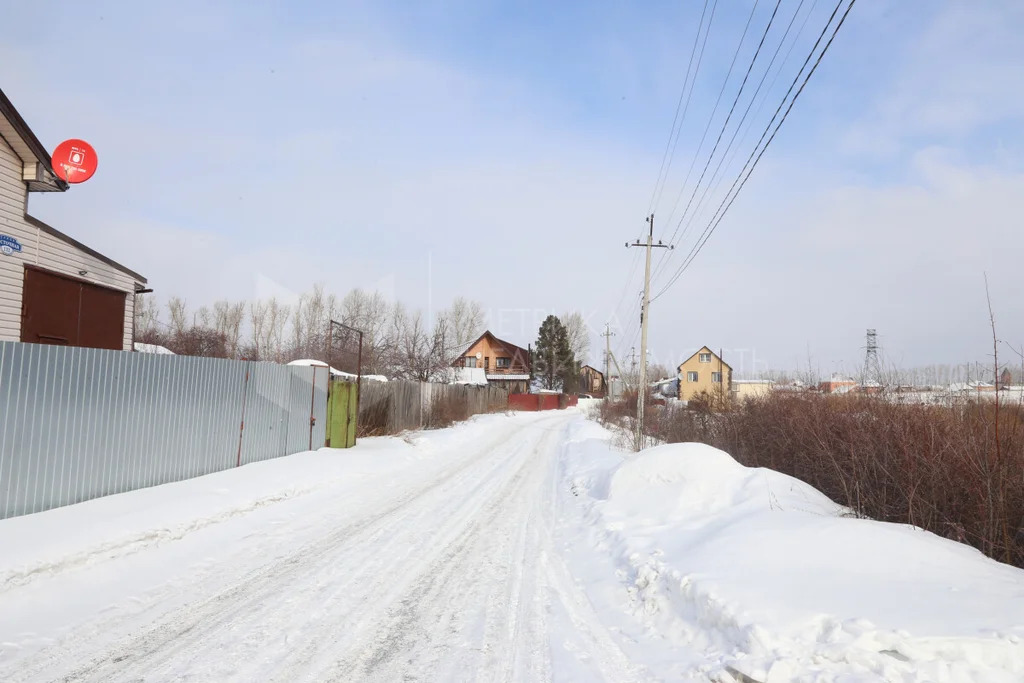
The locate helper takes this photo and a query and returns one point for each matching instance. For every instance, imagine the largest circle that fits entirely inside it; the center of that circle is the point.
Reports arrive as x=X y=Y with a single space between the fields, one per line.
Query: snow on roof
x=501 y=377
x=753 y=381
x=152 y=348
x=308 y=362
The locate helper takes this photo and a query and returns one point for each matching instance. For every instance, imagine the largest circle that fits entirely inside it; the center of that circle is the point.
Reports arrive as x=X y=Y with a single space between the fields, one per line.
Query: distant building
x=503 y=363
x=668 y=387
x=751 y=388
x=837 y=384
x=591 y=381
x=704 y=372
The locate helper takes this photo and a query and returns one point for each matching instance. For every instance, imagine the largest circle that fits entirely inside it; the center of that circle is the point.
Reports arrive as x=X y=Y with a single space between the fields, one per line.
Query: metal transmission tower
x=608 y=334
x=872 y=367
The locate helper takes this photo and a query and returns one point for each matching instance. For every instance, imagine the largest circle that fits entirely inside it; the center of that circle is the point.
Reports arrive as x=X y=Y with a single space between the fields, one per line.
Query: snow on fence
x=81 y=423
x=389 y=408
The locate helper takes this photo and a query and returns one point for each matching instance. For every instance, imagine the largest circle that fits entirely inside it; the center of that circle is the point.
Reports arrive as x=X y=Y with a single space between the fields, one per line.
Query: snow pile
x=140 y=347
x=307 y=362
x=749 y=571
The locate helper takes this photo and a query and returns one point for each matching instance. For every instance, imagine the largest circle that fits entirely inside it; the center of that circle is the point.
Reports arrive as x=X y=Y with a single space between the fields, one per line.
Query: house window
x=705 y=358
x=501 y=362
x=691 y=376
x=716 y=377
x=470 y=362
x=487 y=362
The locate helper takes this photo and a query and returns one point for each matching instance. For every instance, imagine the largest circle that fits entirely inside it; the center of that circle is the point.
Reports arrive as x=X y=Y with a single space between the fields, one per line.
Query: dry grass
x=936 y=467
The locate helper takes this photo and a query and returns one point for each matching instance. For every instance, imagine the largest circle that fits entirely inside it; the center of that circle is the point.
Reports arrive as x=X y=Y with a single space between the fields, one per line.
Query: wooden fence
x=392 y=407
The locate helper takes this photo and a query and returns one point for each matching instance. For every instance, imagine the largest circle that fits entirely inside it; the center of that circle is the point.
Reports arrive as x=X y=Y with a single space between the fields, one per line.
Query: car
x=586 y=396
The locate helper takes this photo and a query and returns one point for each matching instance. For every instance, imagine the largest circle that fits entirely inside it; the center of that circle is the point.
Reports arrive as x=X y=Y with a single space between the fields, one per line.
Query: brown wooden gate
x=57 y=309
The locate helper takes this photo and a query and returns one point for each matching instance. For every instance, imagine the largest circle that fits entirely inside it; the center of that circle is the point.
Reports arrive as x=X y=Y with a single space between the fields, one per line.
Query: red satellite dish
x=74 y=161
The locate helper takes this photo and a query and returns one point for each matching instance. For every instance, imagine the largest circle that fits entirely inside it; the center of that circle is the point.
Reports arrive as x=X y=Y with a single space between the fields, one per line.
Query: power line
x=741 y=180
x=629 y=280
x=673 y=132
x=739 y=126
x=728 y=117
x=714 y=111
x=760 y=106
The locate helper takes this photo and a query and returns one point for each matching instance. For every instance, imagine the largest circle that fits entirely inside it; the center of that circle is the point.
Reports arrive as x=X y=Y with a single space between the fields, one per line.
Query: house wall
x=42 y=249
x=688 y=389
x=491 y=351
x=593 y=380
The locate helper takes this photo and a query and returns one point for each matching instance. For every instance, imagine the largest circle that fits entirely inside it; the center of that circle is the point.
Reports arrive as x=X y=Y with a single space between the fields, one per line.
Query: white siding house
x=32 y=251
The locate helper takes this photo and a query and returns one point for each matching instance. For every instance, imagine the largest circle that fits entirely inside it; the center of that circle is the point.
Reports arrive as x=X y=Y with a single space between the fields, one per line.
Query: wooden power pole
x=644 y=322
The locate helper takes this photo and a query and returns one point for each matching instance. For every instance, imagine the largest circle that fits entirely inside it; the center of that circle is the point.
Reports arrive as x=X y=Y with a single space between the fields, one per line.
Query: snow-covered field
x=517 y=548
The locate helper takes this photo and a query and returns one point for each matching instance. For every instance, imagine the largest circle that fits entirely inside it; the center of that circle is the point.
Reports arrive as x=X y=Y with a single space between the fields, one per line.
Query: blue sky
x=505 y=151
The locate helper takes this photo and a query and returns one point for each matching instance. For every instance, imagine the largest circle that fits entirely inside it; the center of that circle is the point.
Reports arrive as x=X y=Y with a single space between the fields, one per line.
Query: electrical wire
x=714 y=111
x=741 y=180
x=739 y=126
x=674 y=132
x=728 y=117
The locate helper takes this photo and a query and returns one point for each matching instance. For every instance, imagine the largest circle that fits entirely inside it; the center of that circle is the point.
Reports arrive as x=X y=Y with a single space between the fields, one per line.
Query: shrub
x=935 y=467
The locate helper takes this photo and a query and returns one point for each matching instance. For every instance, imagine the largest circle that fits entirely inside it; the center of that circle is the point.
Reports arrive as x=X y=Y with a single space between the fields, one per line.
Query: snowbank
x=764 y=575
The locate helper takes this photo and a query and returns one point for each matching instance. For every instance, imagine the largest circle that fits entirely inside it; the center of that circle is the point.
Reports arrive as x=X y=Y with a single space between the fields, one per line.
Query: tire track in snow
x=174 y=632
x=451 y=577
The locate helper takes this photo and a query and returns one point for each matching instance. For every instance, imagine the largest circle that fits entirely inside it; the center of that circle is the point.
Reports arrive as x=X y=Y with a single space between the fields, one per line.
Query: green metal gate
x=342 y=414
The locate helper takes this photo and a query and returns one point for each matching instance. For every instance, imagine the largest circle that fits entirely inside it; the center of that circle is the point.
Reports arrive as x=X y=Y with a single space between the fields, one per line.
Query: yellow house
x=704 y=371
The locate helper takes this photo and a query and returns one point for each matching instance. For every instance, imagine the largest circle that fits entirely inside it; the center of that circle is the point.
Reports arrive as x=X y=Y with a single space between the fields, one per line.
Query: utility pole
x=617 y=368
x=644 y=322
x=632 y=364
x=608 y=334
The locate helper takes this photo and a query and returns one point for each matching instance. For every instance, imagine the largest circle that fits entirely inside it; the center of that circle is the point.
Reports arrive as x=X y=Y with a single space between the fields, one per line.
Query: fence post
x=241 y=427
x=353 y=414
x=312 y=405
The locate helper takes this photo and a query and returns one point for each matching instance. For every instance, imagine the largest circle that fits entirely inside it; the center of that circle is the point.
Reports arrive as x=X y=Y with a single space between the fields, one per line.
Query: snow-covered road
x=518 y=547
x=440 y=571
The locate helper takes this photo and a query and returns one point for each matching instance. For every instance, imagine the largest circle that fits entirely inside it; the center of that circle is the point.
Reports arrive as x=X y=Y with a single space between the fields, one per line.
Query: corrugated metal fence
x=81 y=423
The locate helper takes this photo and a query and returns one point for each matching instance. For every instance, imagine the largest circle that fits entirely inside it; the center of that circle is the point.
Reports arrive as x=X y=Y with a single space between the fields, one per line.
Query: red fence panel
x=533 y=402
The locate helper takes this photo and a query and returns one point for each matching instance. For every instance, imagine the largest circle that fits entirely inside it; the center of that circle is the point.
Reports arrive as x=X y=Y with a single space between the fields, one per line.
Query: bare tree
x=420 y=353
x=466 y=320
x=257 y=346
x=226 y=320
x=177 y=309
x=577 y=334
x=658 y=371
x=277 y=325
x=147 y=317
x=370 y=313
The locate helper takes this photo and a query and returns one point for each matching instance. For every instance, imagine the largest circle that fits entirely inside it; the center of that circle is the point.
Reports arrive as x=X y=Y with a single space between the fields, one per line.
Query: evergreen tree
x=553 y=361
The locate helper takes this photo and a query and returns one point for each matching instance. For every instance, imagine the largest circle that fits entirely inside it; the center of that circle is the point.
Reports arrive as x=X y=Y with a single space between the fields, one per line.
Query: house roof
x=31 y=220
x=592 y=368
x=27 y=146
x=509 y=346
x=702 y=350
